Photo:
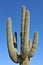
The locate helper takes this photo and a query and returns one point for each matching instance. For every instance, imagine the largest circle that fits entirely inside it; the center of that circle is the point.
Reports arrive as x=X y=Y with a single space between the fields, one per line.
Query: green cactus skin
x=28 y=48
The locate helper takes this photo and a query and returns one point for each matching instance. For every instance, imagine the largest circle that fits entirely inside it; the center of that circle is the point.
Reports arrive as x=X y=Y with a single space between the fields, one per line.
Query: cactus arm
x=22 y=24
x=26 y=34
x=34 y=46
x=22 y=29
x=27 y=25
x=12 y=51
x=26 y=31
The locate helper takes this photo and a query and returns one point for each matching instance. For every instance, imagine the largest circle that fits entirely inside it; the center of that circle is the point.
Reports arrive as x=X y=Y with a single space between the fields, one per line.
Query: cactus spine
x=28 y=48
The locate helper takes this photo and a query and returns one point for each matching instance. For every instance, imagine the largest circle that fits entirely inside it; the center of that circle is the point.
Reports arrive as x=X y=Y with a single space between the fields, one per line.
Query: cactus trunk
x=26 y=61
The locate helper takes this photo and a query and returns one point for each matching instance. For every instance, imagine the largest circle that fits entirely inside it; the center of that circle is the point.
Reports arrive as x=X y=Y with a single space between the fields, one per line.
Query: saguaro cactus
x=28 y=48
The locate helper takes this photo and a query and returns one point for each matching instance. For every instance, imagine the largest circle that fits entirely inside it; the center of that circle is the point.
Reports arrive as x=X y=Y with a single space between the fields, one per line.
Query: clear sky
x=12 y=8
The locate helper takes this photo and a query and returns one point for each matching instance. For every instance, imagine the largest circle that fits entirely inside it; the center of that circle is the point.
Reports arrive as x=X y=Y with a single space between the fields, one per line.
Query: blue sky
x=12 y=8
